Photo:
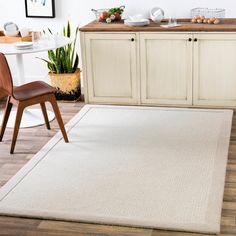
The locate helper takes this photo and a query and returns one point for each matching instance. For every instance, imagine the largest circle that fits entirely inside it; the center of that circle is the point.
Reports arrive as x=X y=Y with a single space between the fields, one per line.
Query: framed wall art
x=40 y=8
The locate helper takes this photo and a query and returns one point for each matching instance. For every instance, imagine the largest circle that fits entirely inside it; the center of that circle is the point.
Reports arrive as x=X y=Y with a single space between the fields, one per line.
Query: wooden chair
x=23 y=96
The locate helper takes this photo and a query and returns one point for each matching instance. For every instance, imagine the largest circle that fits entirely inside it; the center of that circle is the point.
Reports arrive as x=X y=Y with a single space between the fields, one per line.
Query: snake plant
x=64 y=59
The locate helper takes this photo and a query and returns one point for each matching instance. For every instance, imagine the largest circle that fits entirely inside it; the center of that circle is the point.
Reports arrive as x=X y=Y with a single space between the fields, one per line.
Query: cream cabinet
x=160 y=68
x=110 y=61
x=166 y=68
x=214 y=69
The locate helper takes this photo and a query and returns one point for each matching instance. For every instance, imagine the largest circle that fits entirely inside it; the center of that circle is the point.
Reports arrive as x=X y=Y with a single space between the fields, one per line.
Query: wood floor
x=30 y=142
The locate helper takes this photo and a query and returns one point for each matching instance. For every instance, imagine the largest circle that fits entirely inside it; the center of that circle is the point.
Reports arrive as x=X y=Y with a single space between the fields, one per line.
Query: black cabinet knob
x=195 y=40
x=132 y=39
x=190 y=39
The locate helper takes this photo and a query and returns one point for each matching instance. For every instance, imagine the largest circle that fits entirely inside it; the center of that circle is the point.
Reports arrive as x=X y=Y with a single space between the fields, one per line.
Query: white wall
x=79 y=13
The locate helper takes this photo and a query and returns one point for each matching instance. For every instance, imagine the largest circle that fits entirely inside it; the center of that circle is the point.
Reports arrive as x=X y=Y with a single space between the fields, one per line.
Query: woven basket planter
x=67 y=85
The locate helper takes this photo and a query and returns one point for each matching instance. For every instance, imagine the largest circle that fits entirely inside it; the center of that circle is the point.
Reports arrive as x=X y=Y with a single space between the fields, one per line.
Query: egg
x=209 y=21
x=194 y=20
x=199 y=21
x=212 y=20
x=205 y=20
x=216 y=21
x=202 y=17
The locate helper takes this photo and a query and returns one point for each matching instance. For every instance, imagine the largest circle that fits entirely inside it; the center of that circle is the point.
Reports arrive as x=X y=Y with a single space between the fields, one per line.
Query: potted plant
x=63 y=68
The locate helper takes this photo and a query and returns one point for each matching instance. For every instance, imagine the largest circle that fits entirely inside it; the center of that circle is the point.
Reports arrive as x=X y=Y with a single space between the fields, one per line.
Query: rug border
x=221 y=150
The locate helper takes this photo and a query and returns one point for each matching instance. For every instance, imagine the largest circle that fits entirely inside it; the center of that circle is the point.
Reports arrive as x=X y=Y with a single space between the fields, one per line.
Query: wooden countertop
x=228 y=25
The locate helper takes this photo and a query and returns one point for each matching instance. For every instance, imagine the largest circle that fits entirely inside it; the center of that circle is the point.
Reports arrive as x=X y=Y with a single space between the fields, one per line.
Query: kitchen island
x=192 y=65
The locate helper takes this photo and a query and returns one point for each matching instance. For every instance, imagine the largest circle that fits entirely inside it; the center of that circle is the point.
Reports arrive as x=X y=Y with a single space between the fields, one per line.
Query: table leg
x=21 y=69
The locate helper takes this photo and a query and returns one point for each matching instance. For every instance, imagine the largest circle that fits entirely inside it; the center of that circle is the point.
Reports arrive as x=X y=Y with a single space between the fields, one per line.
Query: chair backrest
x=6 y=84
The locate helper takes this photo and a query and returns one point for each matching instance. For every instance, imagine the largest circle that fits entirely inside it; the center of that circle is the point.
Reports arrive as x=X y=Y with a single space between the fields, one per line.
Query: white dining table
x=31 y=117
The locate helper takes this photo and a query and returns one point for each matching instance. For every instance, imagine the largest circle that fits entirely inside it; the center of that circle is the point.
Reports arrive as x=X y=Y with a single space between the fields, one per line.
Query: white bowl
x=11 y=33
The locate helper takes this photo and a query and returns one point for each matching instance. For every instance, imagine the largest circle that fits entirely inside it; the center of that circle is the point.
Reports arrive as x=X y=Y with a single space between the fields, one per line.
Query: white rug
x=135 y=166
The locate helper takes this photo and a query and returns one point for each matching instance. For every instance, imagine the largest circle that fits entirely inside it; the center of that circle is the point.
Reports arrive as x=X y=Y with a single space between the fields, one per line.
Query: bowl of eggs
x=205 y=20
x=207 y=15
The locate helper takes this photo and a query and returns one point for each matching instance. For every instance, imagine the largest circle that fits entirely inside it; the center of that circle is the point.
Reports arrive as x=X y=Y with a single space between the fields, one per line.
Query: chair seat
x=32 y=90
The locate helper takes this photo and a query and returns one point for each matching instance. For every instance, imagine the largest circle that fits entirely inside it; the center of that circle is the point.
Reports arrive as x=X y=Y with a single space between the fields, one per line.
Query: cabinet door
x=111 y=70
x=166 y=68
x=215 y=69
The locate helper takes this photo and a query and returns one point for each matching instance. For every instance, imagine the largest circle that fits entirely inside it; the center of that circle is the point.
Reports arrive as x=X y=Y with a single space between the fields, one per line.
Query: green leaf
x=53 y=59
x=76 y=63
x=74 y=46
x=50 y=31
x=68 y=30
x=64 y=64
x=52 y=68
x=64 y=31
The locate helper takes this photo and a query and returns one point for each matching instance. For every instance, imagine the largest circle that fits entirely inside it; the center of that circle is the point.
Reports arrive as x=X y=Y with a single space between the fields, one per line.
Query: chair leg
x=58 y=117
x=45 y=115
x=19 y=114
x=6 y=117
